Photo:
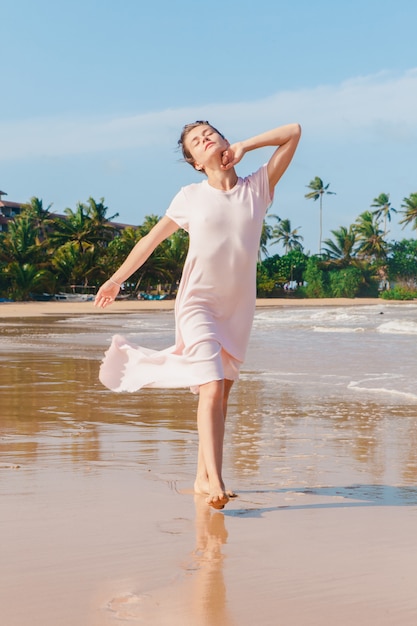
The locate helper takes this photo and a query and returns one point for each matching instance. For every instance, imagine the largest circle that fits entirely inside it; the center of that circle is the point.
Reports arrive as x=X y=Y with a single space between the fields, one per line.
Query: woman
x=216 y=298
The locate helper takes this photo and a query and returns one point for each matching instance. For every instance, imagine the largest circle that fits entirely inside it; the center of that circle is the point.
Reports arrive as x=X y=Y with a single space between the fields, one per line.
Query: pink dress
x=216 y=298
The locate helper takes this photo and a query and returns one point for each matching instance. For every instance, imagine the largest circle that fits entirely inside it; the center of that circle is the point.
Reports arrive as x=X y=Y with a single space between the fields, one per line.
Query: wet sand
x=99 y=526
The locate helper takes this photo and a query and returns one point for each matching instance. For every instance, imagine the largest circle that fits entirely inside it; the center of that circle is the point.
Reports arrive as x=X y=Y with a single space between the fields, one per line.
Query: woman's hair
x=187 y=128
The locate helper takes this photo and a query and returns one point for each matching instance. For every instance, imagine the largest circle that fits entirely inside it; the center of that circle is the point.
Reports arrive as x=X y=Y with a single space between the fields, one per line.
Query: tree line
x=44 y=253
x=357 y=261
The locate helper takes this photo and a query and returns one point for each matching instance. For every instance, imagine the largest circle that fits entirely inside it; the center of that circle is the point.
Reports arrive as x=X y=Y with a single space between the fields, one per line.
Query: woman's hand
x=232 y=155
x=106 y=294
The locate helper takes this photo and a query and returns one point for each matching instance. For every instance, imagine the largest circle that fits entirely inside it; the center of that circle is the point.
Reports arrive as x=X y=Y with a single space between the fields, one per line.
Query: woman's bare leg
x=211 y=415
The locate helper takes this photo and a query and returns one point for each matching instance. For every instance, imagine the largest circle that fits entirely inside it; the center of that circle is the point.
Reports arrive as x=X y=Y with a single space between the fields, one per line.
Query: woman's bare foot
x=202 y=487
x=217 y=499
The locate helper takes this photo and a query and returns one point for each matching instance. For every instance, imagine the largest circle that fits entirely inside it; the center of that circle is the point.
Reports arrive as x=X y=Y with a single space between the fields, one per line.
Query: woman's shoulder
x=260 y=173
x=193 y=189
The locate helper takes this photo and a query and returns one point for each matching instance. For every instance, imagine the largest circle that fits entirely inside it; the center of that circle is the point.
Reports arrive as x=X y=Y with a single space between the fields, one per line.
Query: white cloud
x=380 y=107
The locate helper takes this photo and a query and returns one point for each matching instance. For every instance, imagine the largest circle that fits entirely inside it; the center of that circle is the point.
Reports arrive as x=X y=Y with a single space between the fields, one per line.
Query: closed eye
x=196 y=140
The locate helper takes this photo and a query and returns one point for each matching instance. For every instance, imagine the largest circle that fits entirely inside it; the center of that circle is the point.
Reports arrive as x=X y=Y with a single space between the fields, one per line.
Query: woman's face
x=205 y=145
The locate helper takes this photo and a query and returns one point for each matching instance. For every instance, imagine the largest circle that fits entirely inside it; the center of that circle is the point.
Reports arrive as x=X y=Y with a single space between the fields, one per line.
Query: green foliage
x=399 y=293
x=410 y=211
x=402 y=261
x=345 y=283
x=20 y=243
x=41 y=251
x=265 y=284
x=282 y=233
x=339 y=251
x=316 y=279
x=275 y=271
x=26 y=279
x=371 y=243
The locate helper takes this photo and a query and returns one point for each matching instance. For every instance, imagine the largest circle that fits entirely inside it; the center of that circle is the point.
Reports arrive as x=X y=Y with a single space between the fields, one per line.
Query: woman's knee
x=212 y=392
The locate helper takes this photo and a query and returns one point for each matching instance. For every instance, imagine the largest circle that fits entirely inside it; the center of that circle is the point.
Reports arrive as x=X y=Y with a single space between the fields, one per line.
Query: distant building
x=8 y=210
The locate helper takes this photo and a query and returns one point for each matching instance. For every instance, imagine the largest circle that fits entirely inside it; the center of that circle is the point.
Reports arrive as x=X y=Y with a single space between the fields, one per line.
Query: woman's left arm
x=286 y=139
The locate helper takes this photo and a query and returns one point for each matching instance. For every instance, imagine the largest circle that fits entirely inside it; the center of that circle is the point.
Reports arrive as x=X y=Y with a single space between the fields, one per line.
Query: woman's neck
x=225 y=181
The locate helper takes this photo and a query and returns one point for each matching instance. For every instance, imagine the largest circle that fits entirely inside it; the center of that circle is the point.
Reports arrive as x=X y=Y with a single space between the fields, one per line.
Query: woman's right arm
x=137 y=257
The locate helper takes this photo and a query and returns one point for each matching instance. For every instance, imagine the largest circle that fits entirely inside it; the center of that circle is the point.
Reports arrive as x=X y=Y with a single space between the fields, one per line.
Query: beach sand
x=99 y=525
x=35 y=309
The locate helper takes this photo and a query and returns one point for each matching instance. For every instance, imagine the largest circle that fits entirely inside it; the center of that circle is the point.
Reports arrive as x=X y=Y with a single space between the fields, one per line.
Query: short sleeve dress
x=216 y=298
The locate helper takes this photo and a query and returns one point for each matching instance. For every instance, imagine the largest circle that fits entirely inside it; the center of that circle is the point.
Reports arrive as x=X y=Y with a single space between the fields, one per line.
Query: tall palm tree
x=410 y=211
x=290 y=239
x=341 y=249
x=318 y=190
x=383 y=209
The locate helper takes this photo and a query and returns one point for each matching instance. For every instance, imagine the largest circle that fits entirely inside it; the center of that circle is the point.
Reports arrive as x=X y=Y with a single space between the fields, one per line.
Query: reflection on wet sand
x=270 y=432
x=198 y=598
x=93 y=489
x=208 y=594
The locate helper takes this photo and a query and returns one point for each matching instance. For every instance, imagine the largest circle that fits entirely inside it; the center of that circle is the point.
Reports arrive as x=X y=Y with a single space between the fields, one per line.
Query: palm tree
x=159 y=266
x=39 y=215
x=97 y=213
x=372 y=245
x=318 y=190
x=20 y=242
x=88 y=226
x=148 y=223
x=174 y=255
x=266 y=235
x=290 y=239
x=341 y=249
x=383 y=209
x=410 y=211
x=120 y=246
x=77 y=227
x=27 y=279
x=76 y=267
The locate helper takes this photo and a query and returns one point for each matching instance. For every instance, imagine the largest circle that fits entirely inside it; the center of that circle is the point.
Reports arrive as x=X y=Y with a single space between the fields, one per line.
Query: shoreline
x=41 y=309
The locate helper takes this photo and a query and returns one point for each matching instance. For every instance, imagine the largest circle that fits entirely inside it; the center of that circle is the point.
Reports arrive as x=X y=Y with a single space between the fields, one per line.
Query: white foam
x=382 y=390
x=371 y=385
x=398 y=327
x=338 y=329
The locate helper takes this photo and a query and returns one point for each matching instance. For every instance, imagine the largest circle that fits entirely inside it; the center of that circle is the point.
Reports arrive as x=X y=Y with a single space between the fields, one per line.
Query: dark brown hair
x=187 y=128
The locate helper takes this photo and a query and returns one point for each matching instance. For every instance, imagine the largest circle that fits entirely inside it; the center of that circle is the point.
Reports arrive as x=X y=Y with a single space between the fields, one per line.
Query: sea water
x=352 y=351
x=349 y=351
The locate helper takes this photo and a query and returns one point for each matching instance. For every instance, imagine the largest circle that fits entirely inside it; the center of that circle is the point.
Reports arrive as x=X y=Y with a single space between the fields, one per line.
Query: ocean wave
x=398 y=327
x=313 y=318
x=395 y=383
x=406 y=395
x=338 y=329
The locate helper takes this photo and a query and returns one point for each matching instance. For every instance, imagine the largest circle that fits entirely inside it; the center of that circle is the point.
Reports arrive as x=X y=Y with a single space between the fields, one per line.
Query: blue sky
x=94 y=94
